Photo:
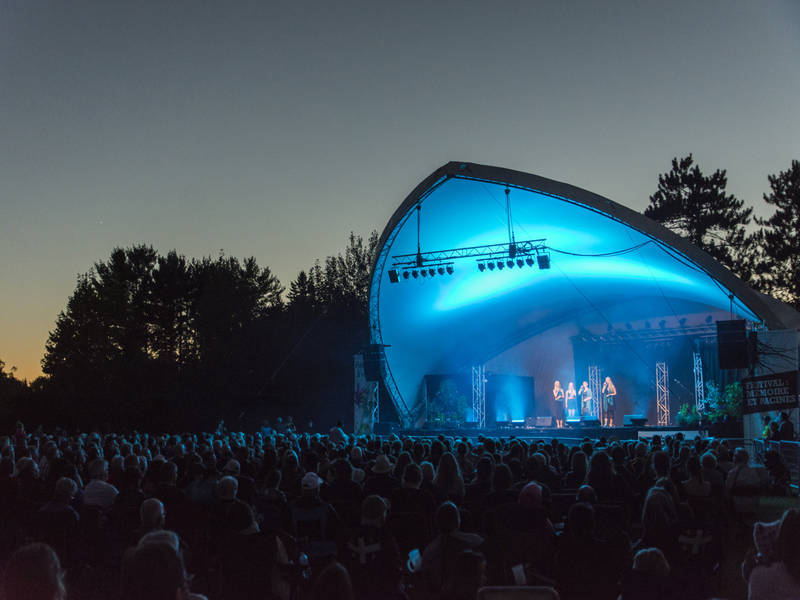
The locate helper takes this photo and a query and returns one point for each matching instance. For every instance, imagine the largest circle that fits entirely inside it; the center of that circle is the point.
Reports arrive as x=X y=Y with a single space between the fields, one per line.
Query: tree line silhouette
x=149 y=340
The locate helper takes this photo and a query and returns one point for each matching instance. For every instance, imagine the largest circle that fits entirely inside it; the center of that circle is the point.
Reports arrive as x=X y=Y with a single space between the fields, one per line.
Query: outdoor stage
x=548 y=433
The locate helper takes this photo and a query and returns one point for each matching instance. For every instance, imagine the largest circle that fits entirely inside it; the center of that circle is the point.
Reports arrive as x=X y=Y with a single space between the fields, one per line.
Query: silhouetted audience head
x=154 y=572
x=447 y=518
x=333 y=583
x=152 y=514
x=580 y=521
x=33 y=573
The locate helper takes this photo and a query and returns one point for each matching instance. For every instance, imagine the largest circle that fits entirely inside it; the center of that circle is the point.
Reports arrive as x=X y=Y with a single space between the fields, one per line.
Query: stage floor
x=564 y=433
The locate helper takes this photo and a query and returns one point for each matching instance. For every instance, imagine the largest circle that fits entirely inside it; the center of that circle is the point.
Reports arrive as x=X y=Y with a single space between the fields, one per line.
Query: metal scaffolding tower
x=699 y=388
x=479 y=395
x=662 y=394
x=594 y=385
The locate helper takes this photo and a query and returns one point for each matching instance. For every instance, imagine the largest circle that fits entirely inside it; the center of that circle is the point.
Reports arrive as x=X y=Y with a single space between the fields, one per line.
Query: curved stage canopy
x=612 y=272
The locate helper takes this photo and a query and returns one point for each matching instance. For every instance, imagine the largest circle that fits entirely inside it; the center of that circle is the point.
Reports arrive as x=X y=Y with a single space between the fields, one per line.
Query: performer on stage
x=558 y=398
x=570 y=400
x=609 y=402
x=586 y=399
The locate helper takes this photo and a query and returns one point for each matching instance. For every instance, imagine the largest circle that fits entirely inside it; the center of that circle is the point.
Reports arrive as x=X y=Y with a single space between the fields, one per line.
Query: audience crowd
x=279 y=514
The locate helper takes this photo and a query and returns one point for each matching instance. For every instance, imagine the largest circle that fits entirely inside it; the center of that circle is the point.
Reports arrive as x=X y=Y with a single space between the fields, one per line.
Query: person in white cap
x=315 y=522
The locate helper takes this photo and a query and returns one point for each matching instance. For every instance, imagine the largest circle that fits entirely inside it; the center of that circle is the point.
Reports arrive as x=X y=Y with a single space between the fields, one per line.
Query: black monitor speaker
x=634 y=420
x=590 y=422
x=732 y=344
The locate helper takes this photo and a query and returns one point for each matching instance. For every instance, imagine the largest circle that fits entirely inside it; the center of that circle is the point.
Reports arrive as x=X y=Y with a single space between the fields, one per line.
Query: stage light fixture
x=406 y=274
x=481 y=267
x=393 y=277
x=529 y=261
x=424 y=272
x=543 y=260
x=520 y=263
x=432 y=271
x=450 y=269
x=415 y=273
x=440 y=270
x=500 y=265
x=490 y=265
x=510 y=264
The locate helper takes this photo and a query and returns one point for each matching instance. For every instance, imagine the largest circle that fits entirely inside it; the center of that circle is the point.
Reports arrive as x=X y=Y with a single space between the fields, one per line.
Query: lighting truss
x=662 y=394
x=699 y=388
x=479 y=395
x=594 y=385
x=424 y=264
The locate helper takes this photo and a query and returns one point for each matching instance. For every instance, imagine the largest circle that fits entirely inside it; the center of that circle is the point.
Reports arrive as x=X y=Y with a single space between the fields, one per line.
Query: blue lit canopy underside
x=446 y=323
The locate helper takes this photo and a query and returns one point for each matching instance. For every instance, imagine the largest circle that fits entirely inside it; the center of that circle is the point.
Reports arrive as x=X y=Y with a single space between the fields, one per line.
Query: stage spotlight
x=440 y=270
x=406 y=274
x=529 y=261
x=415 y=273
x=490 y=265
x=393 y=278
x=424 y=272
x=543 y=260
x=510 y=264
x=520 y=263
x=481 y=267
x=450 y=269
x=500 y=264
x=432 y=271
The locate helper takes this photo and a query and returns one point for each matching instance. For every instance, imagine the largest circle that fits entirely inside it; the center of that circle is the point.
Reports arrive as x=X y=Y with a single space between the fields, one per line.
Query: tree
x=781 y=236
x=698 y=208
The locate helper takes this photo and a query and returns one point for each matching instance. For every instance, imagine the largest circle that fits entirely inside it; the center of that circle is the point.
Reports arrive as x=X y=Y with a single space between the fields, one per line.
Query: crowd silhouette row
x=279 y=515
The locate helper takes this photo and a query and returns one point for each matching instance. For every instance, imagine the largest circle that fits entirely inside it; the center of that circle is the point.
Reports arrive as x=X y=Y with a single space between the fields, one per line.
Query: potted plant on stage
x=723 y=410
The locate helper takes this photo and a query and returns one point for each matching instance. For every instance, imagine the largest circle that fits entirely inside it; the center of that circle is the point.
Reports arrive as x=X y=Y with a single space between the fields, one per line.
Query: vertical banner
x=365 y=397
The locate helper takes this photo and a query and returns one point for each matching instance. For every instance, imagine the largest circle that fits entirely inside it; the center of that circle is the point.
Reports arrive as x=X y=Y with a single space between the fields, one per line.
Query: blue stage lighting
x=415 y=273
x=490 y=265
x=529 y=261
x=520 y=263
x=450 y=269
x=481 y=267
x=393 y=276
x=510 y=264
x=424 y=272
x=432 y=271
x=406 y=274
x=440 y=270
x=500 y=264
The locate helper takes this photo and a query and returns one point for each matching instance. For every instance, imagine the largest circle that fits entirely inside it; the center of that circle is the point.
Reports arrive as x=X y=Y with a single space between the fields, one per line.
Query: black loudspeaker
x=732 y=344
x=373 y=362
x=590 y=422
x=634 y=420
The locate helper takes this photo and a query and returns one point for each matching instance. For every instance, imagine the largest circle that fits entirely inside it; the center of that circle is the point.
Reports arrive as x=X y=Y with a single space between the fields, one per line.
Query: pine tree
x=697 y=207
x=782 y=236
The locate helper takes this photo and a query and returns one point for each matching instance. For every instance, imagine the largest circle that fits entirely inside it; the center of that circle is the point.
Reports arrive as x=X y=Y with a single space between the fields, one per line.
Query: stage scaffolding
x=662 y=394
x=594 y=385
x=699 y=388
x=479 y=395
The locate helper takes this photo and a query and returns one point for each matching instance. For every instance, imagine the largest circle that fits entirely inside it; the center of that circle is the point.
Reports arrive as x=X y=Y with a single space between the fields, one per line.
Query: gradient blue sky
x=273 y=129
